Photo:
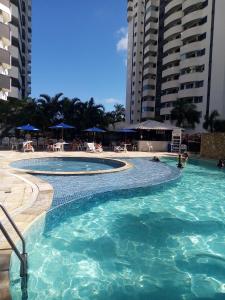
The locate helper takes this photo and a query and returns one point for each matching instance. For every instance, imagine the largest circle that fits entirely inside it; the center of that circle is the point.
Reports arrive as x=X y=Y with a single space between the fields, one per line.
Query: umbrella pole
x=62 y=134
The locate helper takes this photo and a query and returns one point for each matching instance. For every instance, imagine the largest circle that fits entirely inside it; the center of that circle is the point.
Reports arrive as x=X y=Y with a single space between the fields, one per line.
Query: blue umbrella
x=126 y=130
x=94 y=130
x=62 y=126
x=27 y=127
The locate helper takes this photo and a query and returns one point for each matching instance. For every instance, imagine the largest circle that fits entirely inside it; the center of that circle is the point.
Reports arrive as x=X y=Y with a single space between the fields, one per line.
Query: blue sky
x=79 y=48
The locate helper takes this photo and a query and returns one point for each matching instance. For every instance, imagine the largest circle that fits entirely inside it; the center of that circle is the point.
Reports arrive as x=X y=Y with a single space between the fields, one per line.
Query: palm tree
x=185 y=114
x=115 y=116
x=90 y=114
x=70 y=110
x=210 y=120
x=50 y=108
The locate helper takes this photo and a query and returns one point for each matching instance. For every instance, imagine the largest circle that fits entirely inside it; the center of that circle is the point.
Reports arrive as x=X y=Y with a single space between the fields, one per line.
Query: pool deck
x=27 y=197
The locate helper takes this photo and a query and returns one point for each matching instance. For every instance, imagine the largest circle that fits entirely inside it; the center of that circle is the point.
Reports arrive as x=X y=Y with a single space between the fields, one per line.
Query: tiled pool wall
x=143 y=174
x=75 y=194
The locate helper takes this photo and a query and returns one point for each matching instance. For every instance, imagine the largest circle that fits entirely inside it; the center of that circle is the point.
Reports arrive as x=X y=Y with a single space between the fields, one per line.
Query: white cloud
x=112 y=101
x=122 y=44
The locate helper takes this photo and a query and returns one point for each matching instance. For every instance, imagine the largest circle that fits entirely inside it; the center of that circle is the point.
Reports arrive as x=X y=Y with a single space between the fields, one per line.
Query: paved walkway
x=27 y=197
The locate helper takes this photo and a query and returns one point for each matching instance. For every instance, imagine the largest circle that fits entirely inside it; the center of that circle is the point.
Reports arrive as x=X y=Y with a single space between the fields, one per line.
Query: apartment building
x=19 y=46
x=20 y=49
x=176 y=50
x=5 y=40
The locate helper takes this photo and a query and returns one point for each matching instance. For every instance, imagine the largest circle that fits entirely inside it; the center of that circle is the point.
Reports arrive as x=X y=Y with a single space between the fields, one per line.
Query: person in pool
x=185 y=157
x=180 y=165
x=155 y=159
x=220 y=164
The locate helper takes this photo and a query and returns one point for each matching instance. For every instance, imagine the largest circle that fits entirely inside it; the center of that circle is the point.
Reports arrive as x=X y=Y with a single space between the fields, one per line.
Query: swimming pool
x=67 y=164
x=164 y=242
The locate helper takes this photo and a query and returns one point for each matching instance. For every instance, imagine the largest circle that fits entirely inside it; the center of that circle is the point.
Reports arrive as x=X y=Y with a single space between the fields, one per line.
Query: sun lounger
x=120 y=149
x=90 y=147
x=27 y=147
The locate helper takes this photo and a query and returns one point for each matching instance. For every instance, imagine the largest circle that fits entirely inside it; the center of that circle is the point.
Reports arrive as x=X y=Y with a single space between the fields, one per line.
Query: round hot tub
x=70 y=165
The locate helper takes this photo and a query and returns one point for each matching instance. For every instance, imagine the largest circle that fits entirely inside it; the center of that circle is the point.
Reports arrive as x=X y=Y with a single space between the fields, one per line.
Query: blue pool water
x=164 y=242
x=65 y=164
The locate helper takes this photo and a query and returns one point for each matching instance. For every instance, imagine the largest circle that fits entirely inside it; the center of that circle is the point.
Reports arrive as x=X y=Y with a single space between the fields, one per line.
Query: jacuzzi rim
x=125 y=166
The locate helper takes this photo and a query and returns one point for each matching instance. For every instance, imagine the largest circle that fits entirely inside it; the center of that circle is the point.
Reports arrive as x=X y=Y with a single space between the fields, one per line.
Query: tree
x=47 y=110
x=50 y=108
x=117 y=115
x=210 y=120
x=90 y=114
x=185 y=114
x=69 y=110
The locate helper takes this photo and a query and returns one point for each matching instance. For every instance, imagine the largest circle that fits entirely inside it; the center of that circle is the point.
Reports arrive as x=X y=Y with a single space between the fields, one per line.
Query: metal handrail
x=22 y=256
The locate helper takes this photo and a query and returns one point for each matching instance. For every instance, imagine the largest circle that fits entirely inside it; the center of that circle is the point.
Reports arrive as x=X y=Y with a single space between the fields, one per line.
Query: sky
x=79 y=48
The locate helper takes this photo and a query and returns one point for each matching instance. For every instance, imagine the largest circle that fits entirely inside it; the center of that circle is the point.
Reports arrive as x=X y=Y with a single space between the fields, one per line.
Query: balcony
x=193 y=61
x=172 y=44
x=198 y=30
x=190 y=3
x=170 y=84
x=194 y=16
x=193 y=47
x=171 y=58
x=169 y=97
x=173 y=31
x=175 y=16
x=150 y=70
x=150 y=59
x=171 y=71
x=150 y=48
x=172 y=4
x=149 y=92
x=5 y=58
x=192 y=77
x=5 y=10
x=5 y=33
x=5 y=82
x=189 y=93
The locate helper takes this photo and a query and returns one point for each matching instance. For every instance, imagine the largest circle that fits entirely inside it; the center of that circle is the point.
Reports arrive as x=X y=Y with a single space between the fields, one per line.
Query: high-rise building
x=18 y=27
x=5 y=40
x=20 y=49
x=176 y=50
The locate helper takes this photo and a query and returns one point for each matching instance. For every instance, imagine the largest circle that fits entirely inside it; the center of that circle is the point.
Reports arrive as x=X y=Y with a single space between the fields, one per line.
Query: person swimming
x=185 y=157
x=220 y=164
x=180 y=165
x=155 y=159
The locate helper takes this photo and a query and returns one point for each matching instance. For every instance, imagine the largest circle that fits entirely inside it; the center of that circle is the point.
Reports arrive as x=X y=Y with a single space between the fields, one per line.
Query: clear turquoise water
x=63 y=164
x=164 y=243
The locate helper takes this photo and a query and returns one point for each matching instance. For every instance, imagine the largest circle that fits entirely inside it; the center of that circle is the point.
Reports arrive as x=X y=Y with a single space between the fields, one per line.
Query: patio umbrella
x=27 y=127
x=62 y=126
x=94 y=130
x=125 y=131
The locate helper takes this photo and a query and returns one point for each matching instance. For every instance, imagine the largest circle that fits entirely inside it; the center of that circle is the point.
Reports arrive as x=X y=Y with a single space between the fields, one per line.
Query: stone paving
x=27 y=197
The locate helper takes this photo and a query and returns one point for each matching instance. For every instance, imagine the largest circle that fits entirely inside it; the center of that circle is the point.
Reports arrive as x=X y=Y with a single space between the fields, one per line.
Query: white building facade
x=15 y=49
x=176 y=51
x=5 y=41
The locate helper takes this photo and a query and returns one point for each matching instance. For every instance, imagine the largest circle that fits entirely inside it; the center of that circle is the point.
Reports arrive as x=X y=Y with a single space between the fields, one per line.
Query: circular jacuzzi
x=70 y=165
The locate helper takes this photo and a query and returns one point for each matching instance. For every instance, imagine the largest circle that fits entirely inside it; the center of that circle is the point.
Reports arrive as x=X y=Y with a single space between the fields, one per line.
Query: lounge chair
x=27 y=147
x=90 y=147
x=120 y=149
